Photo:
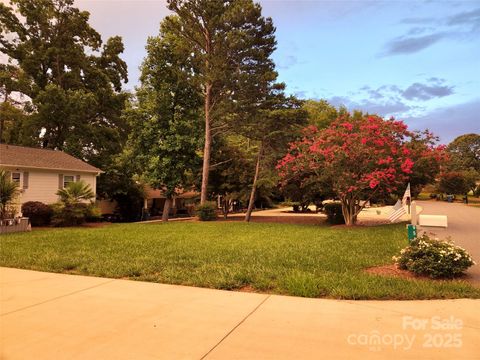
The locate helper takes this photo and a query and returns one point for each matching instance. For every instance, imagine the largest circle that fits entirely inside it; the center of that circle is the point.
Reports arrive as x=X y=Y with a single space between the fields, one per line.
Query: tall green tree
x=231 y=171
x=13 y=106
x=453 y=183
x=428 y=160
x=231 y=44
x=165 y=120
x=320 y=113
x=271 y=126
x=465 y=152
x=76 y=78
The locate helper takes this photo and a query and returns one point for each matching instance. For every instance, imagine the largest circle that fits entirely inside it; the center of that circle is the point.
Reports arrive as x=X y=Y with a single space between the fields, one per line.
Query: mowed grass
x=310 y=261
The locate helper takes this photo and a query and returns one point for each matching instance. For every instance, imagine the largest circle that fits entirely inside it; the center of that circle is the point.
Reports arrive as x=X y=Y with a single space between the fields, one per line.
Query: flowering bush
x=435 y=258
x=359 y=157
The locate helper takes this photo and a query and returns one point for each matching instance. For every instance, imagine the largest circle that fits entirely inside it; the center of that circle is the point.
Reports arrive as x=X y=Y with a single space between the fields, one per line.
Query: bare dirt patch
x=247 y=288
x=96 y=224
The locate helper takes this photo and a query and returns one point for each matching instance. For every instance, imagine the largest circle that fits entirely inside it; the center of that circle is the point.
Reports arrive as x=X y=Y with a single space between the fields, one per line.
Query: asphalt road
x=463 y=227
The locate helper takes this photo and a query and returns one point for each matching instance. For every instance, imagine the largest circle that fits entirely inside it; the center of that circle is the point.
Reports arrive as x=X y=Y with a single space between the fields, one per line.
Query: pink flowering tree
x=359 y=157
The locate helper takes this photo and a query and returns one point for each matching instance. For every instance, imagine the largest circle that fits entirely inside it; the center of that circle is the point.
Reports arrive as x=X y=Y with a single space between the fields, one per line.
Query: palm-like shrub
x=8 y=193
x=72 y=208
x=76 y=192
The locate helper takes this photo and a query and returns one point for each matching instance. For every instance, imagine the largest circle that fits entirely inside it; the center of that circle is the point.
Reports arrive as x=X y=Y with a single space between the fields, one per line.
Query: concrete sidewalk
x=55 y=316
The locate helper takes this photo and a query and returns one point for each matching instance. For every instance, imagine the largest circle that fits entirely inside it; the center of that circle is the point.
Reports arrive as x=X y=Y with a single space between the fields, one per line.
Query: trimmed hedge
x=39 y=214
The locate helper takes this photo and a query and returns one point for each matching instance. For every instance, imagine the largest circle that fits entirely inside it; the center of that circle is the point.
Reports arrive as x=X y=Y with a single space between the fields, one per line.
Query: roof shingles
x=21 y=156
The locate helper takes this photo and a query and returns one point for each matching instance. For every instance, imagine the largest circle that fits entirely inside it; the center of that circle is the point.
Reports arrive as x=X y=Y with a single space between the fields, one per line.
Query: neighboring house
x=183 y=203
x=40 y=173
x=154 y=201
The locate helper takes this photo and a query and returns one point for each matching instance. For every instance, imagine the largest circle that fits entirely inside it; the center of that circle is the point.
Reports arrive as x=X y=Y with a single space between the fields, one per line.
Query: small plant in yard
x=8 y=193
x=72 y=209
x=334 y=213
x=434 y=258
x=207 y=211
x=40 y=214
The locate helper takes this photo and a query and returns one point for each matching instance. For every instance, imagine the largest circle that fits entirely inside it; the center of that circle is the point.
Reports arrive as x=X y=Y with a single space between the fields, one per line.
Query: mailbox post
x=412 y=232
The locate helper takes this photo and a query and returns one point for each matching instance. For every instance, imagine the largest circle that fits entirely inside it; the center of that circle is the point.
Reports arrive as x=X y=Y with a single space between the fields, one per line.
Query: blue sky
x=416 y=60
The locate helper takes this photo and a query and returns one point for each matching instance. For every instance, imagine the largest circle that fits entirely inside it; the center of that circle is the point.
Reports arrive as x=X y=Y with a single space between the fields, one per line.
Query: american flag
x=397 y=211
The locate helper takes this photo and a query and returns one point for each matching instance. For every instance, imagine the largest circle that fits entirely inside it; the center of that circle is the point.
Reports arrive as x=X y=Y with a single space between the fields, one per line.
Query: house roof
x=22 y=156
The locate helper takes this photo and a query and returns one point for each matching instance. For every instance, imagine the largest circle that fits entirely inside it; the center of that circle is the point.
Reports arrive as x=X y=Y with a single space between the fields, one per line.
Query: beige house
x=40 y=173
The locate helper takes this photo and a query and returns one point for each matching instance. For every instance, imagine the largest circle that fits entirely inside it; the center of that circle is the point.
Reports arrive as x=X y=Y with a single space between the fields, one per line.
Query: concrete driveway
x=463 y=227
x=55 y=316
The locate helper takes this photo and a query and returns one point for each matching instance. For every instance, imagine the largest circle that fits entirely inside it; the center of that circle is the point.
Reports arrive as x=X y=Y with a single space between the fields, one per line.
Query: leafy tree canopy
x=165 y=118
x=465 y=152
x=75 y=79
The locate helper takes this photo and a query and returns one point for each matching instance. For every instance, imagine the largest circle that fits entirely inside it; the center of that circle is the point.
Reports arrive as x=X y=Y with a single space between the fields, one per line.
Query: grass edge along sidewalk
x=309 y=261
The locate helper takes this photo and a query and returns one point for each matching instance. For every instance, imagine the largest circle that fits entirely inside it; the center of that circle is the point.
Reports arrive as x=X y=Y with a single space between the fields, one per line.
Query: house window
x=67 y=179
x=16 y=177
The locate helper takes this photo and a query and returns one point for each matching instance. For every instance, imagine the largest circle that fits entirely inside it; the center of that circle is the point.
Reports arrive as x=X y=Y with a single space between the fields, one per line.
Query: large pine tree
x=231 y=44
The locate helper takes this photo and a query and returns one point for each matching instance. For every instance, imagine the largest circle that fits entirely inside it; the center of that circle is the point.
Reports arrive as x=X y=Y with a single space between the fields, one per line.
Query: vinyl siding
x=43 y=184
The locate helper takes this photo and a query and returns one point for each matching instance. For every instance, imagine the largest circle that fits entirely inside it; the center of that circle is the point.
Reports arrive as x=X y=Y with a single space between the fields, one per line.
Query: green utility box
x=412 y=232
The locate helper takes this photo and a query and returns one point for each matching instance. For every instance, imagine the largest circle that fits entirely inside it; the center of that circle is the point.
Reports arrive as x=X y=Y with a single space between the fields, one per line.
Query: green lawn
x=312 y=261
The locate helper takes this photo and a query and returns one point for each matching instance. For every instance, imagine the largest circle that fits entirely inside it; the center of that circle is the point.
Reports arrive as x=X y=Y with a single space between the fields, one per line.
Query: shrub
x=8 y=194
x=93 y=214
x=477 y=191
x=40 y=214
x=434 y=258
x=207 y=211
x=74 y=214
x=71 y=211
x=334 y=213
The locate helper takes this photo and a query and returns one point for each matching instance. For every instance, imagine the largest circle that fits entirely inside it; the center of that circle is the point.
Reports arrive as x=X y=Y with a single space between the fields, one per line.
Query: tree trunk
x=2 y=118
x=2 y=121
x=348 y=211
x=253 y=192
x=225 y=207
x=166 y=208
x=208 y=142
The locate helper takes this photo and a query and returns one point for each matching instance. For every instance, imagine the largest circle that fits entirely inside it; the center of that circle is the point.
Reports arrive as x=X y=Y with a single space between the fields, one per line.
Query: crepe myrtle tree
x=359 y=157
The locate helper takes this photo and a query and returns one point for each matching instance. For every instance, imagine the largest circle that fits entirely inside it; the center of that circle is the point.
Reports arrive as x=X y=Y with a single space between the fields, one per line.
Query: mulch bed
x=87 y=225
x=393 y=271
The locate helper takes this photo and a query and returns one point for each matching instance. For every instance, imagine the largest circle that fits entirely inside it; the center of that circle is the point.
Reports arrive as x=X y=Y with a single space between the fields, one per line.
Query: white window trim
x=67 y=175
x=20 y=178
